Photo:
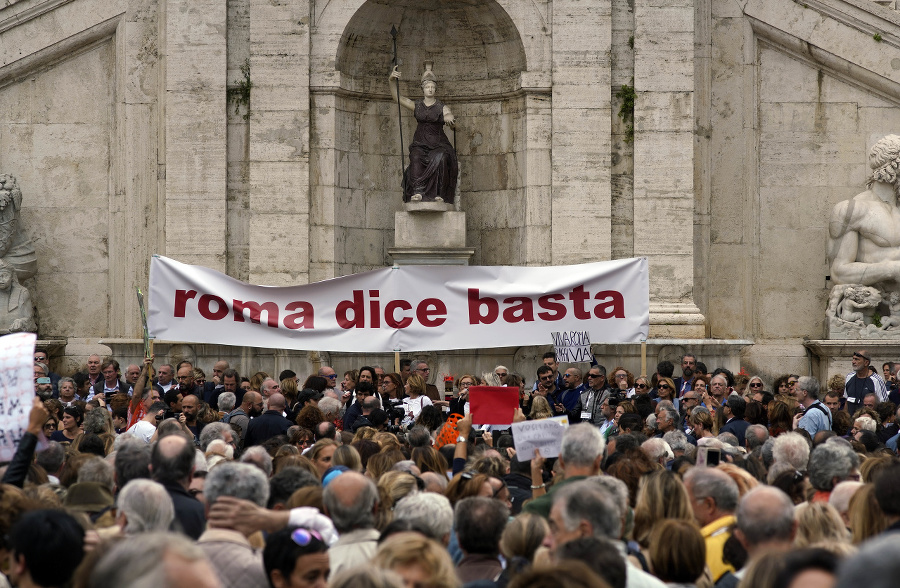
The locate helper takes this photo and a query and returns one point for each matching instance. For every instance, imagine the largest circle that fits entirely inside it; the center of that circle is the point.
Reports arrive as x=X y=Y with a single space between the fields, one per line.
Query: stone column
x=582 y=33
x=664 y=162
x=195 y=160
x=279 y=142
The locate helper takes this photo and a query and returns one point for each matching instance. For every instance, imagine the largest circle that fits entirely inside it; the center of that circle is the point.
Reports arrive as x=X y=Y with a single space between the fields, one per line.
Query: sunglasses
x=332 y=377
x=303 y=537
x=546 y=378
x=756 y=385
x=595 y=375
x=663 y=386
x=686 y=398
x=640 y=386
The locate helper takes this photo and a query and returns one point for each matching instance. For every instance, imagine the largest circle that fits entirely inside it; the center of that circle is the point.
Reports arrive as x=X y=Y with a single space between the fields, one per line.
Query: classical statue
x=864 y=248
x=893 y=321
x=15 y=247
x=16 y=309
x=431 y=175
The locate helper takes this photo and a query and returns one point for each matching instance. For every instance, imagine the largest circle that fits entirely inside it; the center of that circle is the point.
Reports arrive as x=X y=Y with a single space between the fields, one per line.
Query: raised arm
x=143 y=381
x=404 y=101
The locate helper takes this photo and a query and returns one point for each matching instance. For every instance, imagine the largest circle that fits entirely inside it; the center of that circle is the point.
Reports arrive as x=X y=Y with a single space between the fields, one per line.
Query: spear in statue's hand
x=394 y=63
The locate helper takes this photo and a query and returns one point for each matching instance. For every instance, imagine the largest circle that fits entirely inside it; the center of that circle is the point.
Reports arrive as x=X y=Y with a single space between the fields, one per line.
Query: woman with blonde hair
x=257 y=379
x=818 y=522
x=866 y=517
x=702 y=423
x=415 y=399
x=347 y=455
x=540 y=409
x=418 y=560
x=661 y=495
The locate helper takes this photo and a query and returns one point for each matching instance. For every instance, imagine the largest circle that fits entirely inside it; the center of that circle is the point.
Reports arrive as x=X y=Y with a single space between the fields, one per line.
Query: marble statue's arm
x=404 y=101
x=449 y=119
x=843 y=244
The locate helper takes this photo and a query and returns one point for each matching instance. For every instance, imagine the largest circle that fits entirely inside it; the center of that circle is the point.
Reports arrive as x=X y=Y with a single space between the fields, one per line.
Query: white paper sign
x=543 y=434
x=572 y=346
x=408 y=308
x=16 y=390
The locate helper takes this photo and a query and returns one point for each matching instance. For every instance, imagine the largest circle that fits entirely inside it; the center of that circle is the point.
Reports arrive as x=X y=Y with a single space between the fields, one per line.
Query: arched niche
x=479 y=59
x=476 y=47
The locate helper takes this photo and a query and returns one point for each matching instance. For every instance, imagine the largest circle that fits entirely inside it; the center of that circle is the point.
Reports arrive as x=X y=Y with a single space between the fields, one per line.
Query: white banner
x=406 y=308
x=16 y=389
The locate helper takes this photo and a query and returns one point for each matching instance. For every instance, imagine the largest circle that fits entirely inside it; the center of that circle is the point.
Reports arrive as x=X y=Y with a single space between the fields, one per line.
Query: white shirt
x=142 y=430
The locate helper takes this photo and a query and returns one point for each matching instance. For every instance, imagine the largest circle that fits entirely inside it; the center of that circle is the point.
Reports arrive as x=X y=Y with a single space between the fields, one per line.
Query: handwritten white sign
x=16 y=389
x=572 y=346
x=543 y=434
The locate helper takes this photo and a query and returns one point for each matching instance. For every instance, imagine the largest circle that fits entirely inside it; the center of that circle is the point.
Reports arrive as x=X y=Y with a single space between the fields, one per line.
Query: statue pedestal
x=430 y=233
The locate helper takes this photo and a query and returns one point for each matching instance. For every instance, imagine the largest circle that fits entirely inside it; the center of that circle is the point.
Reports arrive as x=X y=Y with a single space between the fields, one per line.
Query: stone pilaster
x=580 y=205
x=195 y=133
x=664 y=162
x=279 y=142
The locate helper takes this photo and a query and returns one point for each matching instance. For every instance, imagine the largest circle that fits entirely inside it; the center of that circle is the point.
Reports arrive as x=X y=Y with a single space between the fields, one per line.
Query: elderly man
x=330 y=376
x=718 y=391
x=350 y=500
x=593 y=396
x=165 y=377
x=580 y=457
x=714 y=498
x=237 y=563
x=429 y=511
x=268 y=424
x=830 y=463
x=862 y=381
x=110 y=384
x=765 y=522
x=251 y=407
x=157 y=559
x=172 y=465
x=815 y=416
x=585 y=509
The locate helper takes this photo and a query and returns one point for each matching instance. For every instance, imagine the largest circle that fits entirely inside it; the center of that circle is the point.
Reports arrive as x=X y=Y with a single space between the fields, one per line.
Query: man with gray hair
x=421 y=368
x=236 y=562
x=587 y=508
x=815 y=416
x=765 y=522
x=154 y=559
x=226 y=402
x=429 y=511
x=714 y=498
x=580 y=457
x=830 y=463
x=214 y=431
x=350 y=500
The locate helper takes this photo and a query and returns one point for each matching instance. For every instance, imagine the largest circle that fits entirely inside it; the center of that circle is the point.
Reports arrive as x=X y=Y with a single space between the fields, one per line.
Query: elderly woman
x=418 y=560
x=433 y=166
x=67 y=389
x=144 y=506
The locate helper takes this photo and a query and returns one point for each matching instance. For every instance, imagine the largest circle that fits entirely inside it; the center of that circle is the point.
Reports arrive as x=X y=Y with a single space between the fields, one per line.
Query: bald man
x=350 y=500
x=268 y=424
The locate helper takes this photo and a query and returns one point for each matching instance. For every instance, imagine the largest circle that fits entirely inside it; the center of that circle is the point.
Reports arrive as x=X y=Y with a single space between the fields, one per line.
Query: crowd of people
x=162 y=476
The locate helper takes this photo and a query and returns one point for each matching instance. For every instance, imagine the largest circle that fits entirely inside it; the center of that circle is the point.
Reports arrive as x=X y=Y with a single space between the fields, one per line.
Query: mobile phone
x=708 y=456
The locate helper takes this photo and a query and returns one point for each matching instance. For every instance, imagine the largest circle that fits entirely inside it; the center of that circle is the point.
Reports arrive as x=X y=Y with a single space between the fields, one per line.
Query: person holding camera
x=145 y=427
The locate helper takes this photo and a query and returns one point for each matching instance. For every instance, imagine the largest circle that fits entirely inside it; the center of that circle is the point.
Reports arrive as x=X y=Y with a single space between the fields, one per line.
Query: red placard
x=493 y=405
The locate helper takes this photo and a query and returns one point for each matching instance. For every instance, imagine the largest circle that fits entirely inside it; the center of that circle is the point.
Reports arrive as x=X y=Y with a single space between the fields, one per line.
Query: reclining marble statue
x=864 y=252
x=432 y=172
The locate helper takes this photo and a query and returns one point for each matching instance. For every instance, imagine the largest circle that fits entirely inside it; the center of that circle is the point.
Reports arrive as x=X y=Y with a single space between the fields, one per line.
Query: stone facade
x=127 y=126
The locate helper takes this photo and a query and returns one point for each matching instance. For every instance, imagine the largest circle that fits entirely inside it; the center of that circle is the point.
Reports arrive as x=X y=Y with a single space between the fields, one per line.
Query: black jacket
x=264 y=427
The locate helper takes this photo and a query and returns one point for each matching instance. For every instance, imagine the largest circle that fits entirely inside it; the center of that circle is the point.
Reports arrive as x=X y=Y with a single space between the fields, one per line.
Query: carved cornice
x=838 y=67
x=30 y=13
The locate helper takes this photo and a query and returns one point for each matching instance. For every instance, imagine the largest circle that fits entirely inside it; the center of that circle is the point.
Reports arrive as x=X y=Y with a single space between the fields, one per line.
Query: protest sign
x=493 y=405
x=16 y=389
x=543 y=434
x=572 y=346
x=405 y=308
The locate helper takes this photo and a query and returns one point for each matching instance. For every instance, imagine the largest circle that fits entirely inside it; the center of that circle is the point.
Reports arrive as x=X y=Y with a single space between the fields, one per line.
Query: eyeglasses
x=546 y=378
x=756 y=385
x=640 y=386
x=663 y=386
x=303 y=537
x=595 y=375
x=332 y=377
x=424 y=370
x=621 y=376
x=568 y=375
x=686 y=398
x=465 y=384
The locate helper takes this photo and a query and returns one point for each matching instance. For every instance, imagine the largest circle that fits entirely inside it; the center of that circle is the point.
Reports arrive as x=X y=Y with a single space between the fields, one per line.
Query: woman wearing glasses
x=460 y=404
x=624 y=381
